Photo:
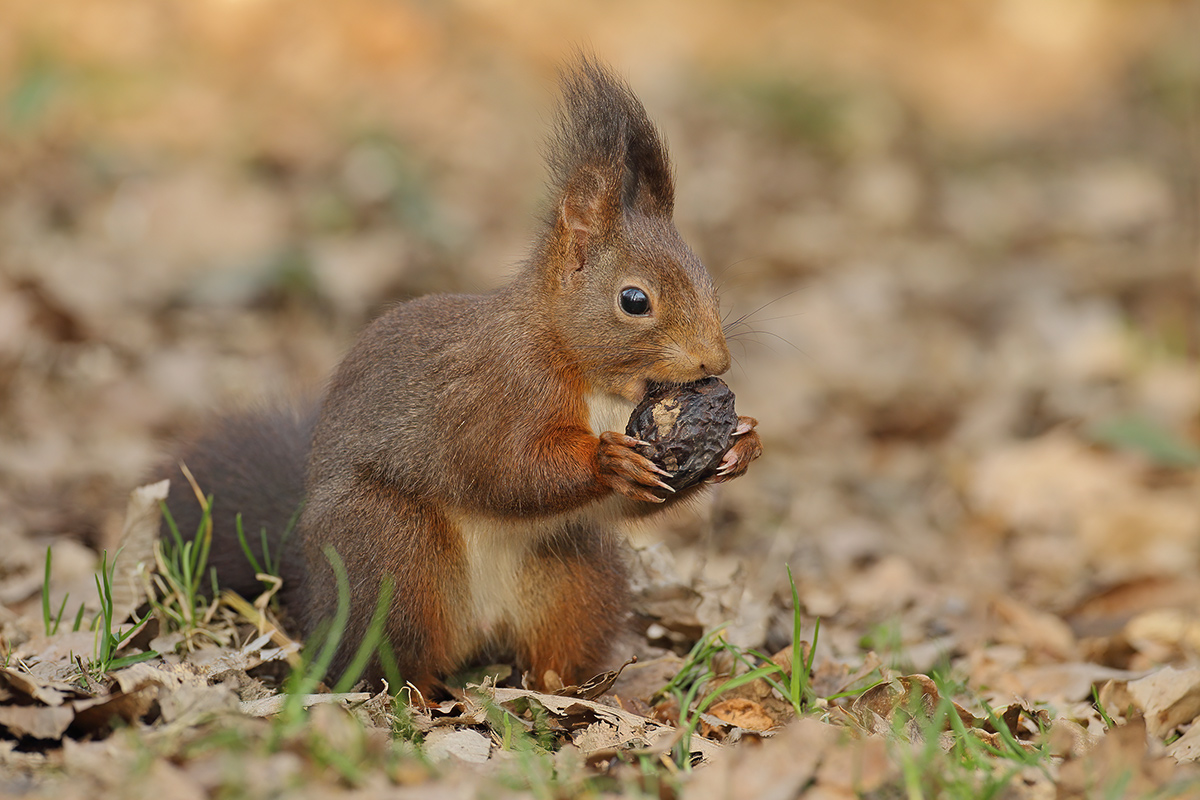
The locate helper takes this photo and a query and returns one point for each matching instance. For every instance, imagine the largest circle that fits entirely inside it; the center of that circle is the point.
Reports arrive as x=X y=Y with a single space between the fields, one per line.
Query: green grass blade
x=241 y=535
x=370 y=642
x=798 y=680
x=46 y=592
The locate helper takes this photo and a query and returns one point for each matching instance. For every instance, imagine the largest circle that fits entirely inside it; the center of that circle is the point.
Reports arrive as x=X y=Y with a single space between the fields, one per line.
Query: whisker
x=722 y=276
x=754 y=331
x=765 y=305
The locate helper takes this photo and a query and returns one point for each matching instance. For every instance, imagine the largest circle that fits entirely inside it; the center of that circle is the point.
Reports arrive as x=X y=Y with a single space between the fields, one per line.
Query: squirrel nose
x=716 y=360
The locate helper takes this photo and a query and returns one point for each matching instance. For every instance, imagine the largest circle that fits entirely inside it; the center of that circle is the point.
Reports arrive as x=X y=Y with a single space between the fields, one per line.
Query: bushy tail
x=252 y=463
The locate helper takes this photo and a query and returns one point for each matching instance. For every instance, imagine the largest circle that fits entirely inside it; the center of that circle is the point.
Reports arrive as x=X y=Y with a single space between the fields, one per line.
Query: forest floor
x=971 y=288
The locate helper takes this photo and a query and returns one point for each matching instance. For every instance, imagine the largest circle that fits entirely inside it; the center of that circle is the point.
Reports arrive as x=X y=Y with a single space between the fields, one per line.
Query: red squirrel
x=465 y=447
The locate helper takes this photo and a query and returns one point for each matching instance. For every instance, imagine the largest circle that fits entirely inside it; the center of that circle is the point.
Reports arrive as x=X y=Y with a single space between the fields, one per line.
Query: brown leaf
x=1168 y=698
x=463 y=744
x=806 y=757
x=643 y=679
x=576 y=713
x=97 y=714
x=1107 y=611
x=273 y=704
x=40 y=722
x=903 y=703
x=1035 y=630
x=743 y=713
x=1121 y=757
x=1058 y=682
x=1186 y=747
x=49 y=692
x=1068 y=738
x=62 y=646
x=875 y=708
x=1171 y=628
x=590 y=690
x=136 y=553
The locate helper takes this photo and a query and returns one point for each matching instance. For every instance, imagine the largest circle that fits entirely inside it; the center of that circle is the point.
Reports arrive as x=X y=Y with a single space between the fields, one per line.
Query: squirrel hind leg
x=381 y=535
x=577 y=607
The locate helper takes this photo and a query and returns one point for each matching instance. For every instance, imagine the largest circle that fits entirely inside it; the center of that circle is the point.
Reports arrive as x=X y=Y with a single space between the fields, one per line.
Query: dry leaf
x=63 y=646
x=743 y=713
x=643 y=679
x=1168 y=698
x=779 y=769
x=1186 y=747
x=1172 y=628
x=267 y=706
x=143 y=516
x=1120 y=758
x=40 y=722
x=632 y=729
x=52 y=693
x=463 y=744
x=215 y=661
x=1036 y=630
x=597 y=686
x=97 y=714
x=1059 y=682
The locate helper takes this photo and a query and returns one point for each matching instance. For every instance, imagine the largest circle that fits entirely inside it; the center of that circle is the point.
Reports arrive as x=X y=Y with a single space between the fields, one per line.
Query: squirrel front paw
x=746 y=447
x=628 y=472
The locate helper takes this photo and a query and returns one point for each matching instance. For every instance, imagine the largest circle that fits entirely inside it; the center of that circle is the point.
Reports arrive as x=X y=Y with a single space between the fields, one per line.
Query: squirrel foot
x=628 y=472
x=746 y=447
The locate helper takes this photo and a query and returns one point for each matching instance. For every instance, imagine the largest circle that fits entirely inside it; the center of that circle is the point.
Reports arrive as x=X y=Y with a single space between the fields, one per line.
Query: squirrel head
x=629 y=300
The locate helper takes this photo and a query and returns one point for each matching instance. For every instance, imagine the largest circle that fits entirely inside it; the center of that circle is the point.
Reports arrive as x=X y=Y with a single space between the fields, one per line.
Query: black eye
x=634 y=302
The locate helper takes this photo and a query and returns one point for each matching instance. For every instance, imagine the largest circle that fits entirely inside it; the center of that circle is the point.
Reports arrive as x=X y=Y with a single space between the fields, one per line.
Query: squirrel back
x=464 y=450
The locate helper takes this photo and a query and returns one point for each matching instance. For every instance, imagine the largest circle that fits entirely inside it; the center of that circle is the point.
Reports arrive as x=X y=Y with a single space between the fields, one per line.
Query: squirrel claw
x=746 y=447
x=626 y=471
x=655 y=468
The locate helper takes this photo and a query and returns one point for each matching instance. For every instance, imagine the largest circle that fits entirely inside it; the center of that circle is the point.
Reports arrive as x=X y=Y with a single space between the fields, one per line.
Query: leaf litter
x=980 y=467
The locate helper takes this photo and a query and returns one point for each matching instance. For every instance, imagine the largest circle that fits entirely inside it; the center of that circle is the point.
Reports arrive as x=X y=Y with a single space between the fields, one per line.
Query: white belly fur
x=608 y=412
x=497 y=550
x=496 y=554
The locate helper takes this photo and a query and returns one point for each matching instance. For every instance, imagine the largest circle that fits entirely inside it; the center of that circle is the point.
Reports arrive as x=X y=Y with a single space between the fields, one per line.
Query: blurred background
x=967 y=236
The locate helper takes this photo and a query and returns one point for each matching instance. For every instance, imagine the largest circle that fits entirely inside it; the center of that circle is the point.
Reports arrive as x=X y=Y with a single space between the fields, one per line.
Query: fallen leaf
x=643 y=679
x=1108 y=611
x=779 y=769
x=1186 y=747
x=267 y=706
x=1059 y=682
x=1168 y=698
x=577 y=714
x=59 y=647
x=464 y=744
x=1120 y=758
x=1036 y=630
x=52 y=693
x=597 y=686
x=40 y=722
x=1169 y=627
x=97 y=714
x=143 y=516
x=743 y=713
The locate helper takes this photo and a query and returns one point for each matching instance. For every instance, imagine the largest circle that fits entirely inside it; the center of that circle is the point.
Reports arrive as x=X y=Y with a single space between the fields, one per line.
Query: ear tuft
x=605 y=154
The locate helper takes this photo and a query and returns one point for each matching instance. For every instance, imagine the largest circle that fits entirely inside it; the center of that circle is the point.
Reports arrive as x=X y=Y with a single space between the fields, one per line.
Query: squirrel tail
x=252 y=463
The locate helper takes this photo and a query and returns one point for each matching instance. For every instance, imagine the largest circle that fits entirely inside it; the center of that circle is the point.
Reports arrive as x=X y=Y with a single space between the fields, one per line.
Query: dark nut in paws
x=688 y=428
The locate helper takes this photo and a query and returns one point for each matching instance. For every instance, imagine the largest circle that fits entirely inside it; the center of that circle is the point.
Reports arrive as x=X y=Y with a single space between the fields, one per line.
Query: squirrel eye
x=634 y=302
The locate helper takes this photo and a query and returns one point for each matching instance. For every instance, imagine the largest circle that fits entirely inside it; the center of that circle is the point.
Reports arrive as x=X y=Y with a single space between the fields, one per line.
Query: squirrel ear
x=649 y=186
x=589 y=211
